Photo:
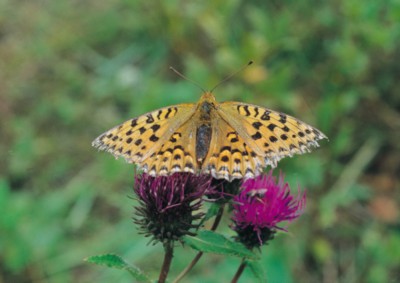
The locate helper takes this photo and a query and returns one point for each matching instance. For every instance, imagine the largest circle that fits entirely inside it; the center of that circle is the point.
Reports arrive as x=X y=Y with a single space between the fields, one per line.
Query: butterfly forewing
x=271 y=134
x=139 y=138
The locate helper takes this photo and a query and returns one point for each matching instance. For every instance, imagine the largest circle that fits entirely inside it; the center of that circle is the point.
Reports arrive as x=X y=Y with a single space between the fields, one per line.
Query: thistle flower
x=168 y=206
x=262 y=204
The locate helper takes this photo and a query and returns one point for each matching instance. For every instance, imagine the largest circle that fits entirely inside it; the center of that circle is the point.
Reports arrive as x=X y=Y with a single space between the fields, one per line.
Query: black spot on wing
x=256 y=111
x=149 y=119
x=271 y=127
x=159 y=114
x=282 y=118
x=154 y=138
x=256 y=136
x=142 y=130
x=246 y=109
x=257 y=125
x=225 y=158
x=168 y=112
x=228 y=148
x=155 y=127
x=266 y=116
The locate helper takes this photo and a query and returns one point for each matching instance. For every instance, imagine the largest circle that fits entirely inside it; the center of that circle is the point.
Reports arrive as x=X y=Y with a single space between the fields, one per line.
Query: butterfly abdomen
x=203 y=138
x=204 y=131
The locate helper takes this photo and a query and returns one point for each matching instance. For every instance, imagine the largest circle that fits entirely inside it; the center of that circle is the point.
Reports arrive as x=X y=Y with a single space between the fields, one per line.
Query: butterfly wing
x=268 y=133
x=229 y=157
x=175 y=155
x=139 y=138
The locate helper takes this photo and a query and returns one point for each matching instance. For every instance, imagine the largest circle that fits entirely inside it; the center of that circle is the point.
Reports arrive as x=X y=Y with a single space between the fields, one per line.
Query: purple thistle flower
x=261 y=205
x=167 y=205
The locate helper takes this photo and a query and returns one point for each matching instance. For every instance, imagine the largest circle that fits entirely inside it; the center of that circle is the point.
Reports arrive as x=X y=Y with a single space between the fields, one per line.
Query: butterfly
x=229 y=140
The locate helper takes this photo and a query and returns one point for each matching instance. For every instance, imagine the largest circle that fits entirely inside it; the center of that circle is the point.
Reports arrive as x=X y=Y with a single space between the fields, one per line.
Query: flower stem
x=169 y=251
x=189 y=267
x=239 y=272
x=217 y=220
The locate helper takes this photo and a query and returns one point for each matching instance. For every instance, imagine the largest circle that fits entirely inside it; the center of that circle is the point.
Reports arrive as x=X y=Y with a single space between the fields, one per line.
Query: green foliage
x=73 y=69
x=257 y=270
x=211 y=242
x=117 y=262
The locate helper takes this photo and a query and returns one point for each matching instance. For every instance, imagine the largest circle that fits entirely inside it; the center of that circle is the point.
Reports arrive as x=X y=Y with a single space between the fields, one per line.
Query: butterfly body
x=206 y=107
x=229 y=140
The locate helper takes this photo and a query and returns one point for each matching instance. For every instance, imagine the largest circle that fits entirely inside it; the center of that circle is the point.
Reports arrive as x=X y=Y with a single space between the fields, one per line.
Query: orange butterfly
x=229 y=140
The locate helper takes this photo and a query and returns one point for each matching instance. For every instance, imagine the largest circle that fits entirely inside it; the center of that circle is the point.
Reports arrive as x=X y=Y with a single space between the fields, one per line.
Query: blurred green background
x=70 y=70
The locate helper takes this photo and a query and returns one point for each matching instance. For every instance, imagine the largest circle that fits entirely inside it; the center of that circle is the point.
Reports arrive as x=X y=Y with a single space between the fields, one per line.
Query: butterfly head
x=205 y=106
x=208 y=97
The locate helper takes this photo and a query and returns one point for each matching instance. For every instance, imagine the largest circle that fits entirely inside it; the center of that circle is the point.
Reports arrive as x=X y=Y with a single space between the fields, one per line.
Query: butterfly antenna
x=185 y=78
x=231 y=75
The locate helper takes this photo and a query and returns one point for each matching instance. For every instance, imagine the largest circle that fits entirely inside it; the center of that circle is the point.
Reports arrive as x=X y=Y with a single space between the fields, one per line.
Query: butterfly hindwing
x=176 y=155
x=138 y=138
x=229 y=156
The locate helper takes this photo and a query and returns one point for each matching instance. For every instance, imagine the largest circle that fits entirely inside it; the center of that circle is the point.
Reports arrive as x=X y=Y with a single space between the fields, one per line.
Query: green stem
x=239 y=272
x=217 y=220
x=169 y=251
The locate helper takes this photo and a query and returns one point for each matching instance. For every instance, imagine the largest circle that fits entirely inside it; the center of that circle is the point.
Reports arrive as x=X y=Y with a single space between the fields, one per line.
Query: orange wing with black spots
x=231 y=140
x=229 y=156
x=175 y=155
x=270 y=134
x=139 y=138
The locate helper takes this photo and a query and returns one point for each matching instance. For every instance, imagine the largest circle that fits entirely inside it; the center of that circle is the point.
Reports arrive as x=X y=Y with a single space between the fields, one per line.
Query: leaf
x=115 y=261
x=257 y=270
x=211 y=242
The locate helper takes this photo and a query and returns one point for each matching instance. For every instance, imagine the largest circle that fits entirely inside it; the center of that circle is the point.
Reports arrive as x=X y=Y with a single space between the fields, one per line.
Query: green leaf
x=257 y=270
x=211 y=242
x=115 y=261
